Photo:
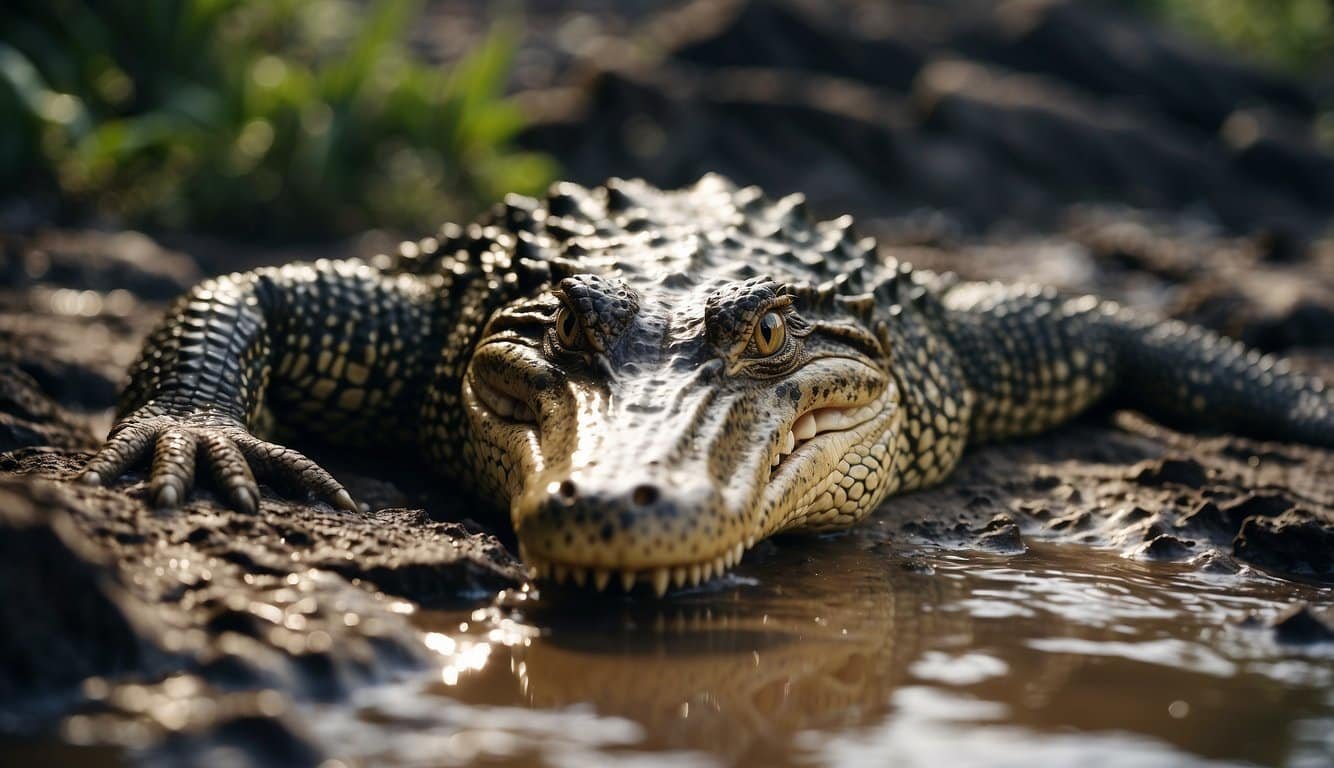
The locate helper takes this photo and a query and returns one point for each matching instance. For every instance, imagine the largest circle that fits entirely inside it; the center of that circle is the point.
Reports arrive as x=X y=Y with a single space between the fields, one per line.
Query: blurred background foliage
x=1297 y=35
x=285 y=119
x=275 y=119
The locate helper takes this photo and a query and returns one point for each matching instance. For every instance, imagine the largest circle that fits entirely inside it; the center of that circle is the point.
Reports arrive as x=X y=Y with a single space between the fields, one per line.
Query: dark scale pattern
x=937 y=400
x=603 y=308
x=1033 y=359
x=738 y=369
x=338 y=348
x=733 y=309
x=1196 y=379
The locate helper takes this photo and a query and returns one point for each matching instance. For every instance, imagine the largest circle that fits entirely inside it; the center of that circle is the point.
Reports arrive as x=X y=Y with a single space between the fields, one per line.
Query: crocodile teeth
x=658 y=579
x=811 y=424
x=661 y=578
x=830 y=419
x=504 y=405
x=805 y=427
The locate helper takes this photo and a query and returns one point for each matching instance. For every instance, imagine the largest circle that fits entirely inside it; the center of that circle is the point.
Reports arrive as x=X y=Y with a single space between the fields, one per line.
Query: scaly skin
x=652 y=381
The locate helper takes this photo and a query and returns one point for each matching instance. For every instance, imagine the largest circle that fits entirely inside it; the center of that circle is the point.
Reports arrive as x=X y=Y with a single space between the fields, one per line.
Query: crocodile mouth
x=808 y=483
x=501 y=404
x=818 y=436
x=813 y=424
x=659 y=579
x=642 y=486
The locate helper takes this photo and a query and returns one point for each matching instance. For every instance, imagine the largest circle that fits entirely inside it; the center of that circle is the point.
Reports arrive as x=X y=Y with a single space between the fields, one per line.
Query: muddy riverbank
x=1115 y=590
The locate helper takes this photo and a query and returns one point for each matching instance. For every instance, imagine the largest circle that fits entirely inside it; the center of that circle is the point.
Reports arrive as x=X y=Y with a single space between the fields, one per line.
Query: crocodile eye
x=770 y=333
x=567 y=328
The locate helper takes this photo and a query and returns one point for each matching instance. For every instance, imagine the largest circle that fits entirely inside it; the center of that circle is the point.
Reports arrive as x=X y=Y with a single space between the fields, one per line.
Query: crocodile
x=654 y=380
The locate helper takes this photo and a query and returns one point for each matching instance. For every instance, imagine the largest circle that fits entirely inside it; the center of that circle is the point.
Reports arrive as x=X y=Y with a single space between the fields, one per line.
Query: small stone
x=1167 y=547
x=1301 y=625
x=1217 y=562
x=1297 y=541
x=1186 y=472
x=1001 y=534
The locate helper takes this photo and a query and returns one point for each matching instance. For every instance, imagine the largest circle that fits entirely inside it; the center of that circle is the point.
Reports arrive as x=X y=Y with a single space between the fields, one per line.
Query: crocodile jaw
x=800 y=490
x=607 y=490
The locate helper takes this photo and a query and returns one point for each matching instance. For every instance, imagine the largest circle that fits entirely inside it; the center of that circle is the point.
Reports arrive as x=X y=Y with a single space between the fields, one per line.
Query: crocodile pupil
x=770 y=333
x=566 y=325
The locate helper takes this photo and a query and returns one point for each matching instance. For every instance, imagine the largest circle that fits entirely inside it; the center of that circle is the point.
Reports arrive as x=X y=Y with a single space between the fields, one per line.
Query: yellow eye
x=770 y=333
x=567 y=328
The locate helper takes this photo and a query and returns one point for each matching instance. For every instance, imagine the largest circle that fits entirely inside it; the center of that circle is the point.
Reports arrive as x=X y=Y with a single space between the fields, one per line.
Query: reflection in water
x=843 y=652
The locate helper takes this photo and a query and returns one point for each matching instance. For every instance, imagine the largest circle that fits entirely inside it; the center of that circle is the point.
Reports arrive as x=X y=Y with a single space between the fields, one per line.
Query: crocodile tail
x=1193 y=378
x=1033 y=359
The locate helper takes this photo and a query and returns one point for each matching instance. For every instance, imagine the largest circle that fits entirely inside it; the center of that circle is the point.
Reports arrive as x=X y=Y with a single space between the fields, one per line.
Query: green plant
x=1295 y=34
x=275 y=119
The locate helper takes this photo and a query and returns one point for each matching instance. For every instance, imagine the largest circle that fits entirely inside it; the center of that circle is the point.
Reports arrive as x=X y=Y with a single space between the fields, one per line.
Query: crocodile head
x=681 y=387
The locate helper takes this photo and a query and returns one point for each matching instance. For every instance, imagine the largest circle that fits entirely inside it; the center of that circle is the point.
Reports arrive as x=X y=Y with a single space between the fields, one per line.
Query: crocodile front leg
x=338 y=348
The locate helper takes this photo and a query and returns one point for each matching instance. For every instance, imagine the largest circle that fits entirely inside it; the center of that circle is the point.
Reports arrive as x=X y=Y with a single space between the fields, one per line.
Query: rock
x=1216 y=562
x=1165 y=546
x=917 y=565
x=1268 y=504
x=1301 y=625
x=1135 y=514
x=1228 y=517
x=1206 y=517
x=1298 y=541
x=1173 y=471
x=1001 y=534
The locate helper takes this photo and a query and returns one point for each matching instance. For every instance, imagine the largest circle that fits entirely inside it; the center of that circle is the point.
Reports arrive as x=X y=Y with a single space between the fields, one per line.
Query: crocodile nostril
x=644 y=495
x=567 y=490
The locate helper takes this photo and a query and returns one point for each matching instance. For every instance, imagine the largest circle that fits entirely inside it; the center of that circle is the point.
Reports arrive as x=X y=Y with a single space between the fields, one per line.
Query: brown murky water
x=842 y=651
x=850 y=651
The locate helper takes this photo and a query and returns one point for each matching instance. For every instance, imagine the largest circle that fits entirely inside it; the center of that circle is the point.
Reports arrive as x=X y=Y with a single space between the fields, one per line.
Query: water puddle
x=845 y=652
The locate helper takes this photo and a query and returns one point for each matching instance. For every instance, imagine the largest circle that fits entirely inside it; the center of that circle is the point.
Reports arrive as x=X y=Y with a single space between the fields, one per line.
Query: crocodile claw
x=232 y=456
